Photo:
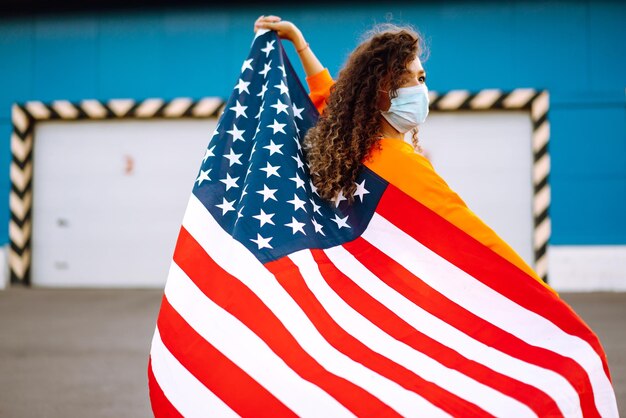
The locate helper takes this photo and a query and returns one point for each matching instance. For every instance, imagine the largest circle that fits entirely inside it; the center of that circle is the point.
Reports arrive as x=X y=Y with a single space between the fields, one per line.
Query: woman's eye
x=423 y=79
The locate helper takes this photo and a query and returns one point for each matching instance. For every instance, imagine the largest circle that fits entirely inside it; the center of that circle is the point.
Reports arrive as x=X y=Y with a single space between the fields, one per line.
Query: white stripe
x=362 y=329
x=249 y=352
x=239 y=262
x=186 y=393
x=490 y=305
x=545 y=380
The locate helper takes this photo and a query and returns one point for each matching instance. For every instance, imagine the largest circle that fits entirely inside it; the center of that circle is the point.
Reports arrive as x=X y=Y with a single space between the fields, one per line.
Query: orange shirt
x=414 y=174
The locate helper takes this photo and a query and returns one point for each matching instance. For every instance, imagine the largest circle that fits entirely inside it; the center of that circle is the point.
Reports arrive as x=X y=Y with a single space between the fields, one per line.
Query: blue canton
x=254 y=178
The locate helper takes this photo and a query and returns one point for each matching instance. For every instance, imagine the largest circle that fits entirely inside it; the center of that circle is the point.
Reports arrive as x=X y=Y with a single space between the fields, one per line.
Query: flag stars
x=268 y=193
x=283 y=88
x=266 y=69
x=263 y=90
x=282 y=68
x=316 y=207
x=299 y=182
x=297 y=112
x=340 y=197
x=239 y=110
x=262 y=242
x=273 y=148
x=271 y=170
x=236 y=133
x=204 y=175
x=247 y=65
x=360 y=190
x=269 y=47
x=341 y=222
x=230 y=181
x=318 y=227
x=226 y=206
x=208 y=153
x=297 y=203
x=298 y=160
x=233 y=158
x=296 y=226
x=243 y=86
x=280 y=107
x=258 y=116
x=277 y=127
x=264 y=218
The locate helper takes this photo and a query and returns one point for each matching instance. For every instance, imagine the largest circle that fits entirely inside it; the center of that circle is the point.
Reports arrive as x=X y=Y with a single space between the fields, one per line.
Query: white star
x=297 y=141
x=273 y=148
x=226 y=206
x=282 y=68
x=313 y=188
x=269 y=46
x=283 y=88
x=297 y=203
x=260 y=111
x=298 y=160
x=204 y=175
x=247 y=65
x=361 y=190
x=296 y=226
x=341 y=222
x=239 y=214
x=208 y=153
x=316 y=207
x=256 y=131
x=215 y=132
x=242 y=86
x=236 y=133
x=318 y=227
x=262 y=242
x=297 y=112
x=267 y=193
x=299 y=181
x=265 y=218
x=263 y=90
x=280 y=107
x=243 y=192
x=271 y=170
x=266 y=69
x=233 y=158
x=277 y=127
x=340 y=197
x=229 y=181
x=239 y=110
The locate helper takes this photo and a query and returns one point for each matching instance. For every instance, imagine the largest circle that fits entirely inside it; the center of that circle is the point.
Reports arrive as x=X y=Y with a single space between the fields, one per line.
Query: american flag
x=279 y=303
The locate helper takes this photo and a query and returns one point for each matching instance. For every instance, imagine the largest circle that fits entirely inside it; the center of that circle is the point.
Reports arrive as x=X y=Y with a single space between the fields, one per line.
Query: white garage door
x=109 y=198
x=486 y=157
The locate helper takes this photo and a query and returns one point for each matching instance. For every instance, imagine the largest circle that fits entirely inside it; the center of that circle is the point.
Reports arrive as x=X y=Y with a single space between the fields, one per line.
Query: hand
x=285 y=29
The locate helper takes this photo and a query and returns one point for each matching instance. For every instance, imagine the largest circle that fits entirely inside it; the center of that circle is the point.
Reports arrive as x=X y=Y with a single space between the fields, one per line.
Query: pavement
x=84 y=352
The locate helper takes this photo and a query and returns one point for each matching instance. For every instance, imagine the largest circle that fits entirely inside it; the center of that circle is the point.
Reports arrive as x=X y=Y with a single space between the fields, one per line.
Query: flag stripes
x=365 y=289
x=367 y=346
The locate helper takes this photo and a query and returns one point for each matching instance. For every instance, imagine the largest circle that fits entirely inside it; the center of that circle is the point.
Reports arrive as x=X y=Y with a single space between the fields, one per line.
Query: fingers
x=265 y=22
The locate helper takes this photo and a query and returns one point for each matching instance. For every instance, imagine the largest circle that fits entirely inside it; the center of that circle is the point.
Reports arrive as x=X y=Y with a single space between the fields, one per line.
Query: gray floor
x=83 y=353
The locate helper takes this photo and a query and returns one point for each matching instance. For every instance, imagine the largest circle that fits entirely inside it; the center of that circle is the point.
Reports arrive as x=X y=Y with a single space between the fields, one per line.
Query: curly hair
x=348 y=128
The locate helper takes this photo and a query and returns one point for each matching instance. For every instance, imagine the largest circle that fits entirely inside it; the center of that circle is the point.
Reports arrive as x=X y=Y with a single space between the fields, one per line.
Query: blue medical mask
x=409 y=108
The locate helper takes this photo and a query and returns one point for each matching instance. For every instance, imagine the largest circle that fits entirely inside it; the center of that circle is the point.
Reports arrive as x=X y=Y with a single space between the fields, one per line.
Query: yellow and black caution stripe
x=24 y=117
x=537 y=103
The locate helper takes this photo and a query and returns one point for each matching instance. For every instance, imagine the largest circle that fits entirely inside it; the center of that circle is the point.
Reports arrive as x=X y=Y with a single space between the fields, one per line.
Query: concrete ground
x=84 y=353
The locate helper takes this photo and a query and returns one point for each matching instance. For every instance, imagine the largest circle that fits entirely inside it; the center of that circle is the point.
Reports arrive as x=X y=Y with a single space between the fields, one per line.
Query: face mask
x=408 y=109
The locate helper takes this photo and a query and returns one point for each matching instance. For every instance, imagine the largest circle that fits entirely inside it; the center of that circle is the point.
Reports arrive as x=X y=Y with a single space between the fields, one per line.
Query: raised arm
x=317 y=77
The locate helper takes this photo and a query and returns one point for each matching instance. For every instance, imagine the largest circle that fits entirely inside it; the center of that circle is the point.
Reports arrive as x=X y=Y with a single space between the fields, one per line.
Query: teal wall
x=576 y=50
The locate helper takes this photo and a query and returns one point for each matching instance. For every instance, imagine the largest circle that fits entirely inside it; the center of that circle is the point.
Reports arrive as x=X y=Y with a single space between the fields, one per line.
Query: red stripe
x=479 y=261
x=218 y=373
x=395 y=326
x=417 y=291
x=290 y=278
x=236 y=298
x=161 y=406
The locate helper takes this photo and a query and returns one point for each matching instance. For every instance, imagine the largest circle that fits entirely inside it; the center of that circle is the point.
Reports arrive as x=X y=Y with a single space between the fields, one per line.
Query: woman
x=365 y=115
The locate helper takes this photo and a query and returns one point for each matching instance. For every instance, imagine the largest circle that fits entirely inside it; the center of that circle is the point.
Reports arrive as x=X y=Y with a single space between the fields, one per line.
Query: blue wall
x=576 y=50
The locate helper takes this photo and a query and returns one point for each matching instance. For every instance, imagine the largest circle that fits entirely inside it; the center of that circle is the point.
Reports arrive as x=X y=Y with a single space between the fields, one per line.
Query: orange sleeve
x=415 y=175
x=319 y=85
